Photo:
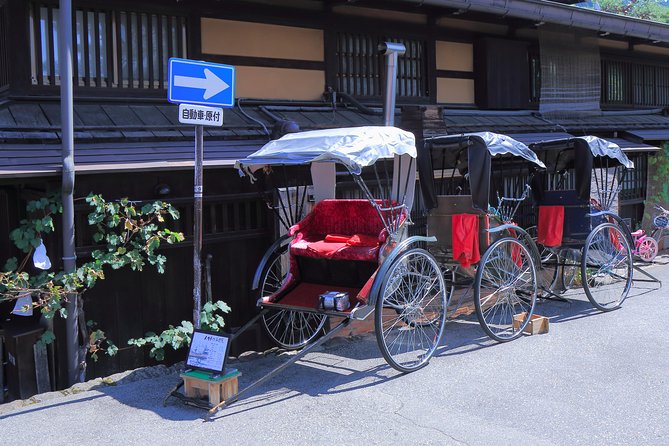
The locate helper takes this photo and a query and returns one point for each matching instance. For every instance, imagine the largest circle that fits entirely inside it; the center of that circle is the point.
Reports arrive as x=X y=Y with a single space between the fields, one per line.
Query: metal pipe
x=67 y=188
x=391 y=50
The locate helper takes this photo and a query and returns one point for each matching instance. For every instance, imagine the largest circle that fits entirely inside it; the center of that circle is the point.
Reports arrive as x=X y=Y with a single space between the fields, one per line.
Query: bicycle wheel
x=505 y=287
x=289 y=329
x=569 y=267
x=411 y=310
x=606 y=267
x=658 y=234
x=647 y=249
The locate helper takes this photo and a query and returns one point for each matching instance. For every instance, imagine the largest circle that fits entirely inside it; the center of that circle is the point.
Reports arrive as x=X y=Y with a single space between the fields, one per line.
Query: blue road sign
x=204 y=83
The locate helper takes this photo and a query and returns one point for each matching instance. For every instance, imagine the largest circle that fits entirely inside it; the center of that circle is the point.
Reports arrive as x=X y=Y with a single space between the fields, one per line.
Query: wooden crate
x=201 y=385
x=538 y=324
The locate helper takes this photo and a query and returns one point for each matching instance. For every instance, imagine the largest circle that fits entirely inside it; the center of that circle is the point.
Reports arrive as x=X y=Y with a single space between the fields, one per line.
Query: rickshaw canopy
x=353 y=147
x=475 y=161
x=582 y=153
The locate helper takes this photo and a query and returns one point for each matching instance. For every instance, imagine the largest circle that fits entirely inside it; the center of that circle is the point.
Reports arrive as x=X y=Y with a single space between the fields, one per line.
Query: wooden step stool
x=199 y=384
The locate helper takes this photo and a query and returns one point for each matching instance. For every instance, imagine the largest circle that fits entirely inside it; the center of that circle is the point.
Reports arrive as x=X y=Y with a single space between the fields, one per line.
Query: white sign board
x=208 y=351
x=200 y=115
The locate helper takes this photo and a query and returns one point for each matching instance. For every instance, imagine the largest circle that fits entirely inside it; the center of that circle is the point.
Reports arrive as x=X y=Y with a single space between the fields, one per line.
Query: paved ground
x=596 y=379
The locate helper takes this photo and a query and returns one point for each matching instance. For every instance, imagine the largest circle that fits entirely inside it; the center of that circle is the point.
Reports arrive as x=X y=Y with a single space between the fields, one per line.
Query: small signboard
x=208 y=351
x=200 y=115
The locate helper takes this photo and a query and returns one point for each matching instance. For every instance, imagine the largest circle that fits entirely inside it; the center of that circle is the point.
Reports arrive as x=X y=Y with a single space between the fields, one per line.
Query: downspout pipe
x=67 y=187
x=391 y=50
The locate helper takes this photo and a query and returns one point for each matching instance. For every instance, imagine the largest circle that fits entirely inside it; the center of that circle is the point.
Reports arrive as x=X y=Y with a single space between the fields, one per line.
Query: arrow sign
x=202 y=83
x=211 y=84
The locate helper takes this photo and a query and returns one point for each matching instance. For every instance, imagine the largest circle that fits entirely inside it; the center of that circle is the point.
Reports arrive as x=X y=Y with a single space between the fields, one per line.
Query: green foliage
x=642 y=9
x=211 y=319
x=126 y=236
x=659 y=192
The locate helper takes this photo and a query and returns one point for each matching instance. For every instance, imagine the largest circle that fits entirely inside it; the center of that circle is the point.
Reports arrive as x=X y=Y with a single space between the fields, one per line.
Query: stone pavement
x=595 y=378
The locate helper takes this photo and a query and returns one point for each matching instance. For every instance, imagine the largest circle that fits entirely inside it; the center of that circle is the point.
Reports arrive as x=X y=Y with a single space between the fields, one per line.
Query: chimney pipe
x=391 y=50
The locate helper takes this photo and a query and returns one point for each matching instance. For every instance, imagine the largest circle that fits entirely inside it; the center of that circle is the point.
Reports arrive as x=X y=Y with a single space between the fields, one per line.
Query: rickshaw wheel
x=505 y=289
x=411 y=310
x=289 y=329
x=606 y=267
x=569 y=267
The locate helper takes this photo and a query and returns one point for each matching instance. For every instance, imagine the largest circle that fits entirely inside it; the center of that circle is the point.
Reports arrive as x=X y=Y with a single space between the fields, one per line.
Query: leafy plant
x=127 y=235
x=180 y=336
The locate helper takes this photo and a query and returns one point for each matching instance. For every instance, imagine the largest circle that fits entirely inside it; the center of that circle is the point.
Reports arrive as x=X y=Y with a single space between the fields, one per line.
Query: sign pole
x=197 y=226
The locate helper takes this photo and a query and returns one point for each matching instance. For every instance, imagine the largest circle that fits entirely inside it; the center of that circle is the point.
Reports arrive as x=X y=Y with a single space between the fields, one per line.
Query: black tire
x=411 y=310
x=606 y=267
x=505 y=287
x=288 y=329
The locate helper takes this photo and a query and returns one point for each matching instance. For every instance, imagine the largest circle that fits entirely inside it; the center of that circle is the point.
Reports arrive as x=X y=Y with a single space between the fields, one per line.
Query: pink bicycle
x=645 y=246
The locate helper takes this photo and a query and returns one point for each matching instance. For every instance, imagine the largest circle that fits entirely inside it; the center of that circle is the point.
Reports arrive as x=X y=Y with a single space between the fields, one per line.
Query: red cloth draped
x=465 y=239
x=550 y=225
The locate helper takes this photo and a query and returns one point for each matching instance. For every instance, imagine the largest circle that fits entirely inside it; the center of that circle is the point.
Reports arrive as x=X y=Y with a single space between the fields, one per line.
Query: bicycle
x=660 y=224
x=645 y=246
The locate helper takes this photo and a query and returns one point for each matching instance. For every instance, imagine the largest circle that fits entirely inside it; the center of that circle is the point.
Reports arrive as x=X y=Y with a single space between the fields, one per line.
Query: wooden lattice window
x=360 y=69
x=112 y=48
x=635 y=180
x=631 y=83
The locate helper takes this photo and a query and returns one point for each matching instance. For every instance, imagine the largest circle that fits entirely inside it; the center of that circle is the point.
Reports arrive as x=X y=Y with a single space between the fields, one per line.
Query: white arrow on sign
x=211 y=84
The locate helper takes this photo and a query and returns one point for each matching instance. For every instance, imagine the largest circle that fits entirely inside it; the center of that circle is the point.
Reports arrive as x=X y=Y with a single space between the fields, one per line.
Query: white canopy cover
x=354 y=147
x=602 y=147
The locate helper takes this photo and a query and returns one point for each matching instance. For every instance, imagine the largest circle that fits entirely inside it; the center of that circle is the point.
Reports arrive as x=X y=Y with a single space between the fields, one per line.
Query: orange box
x=538 y=324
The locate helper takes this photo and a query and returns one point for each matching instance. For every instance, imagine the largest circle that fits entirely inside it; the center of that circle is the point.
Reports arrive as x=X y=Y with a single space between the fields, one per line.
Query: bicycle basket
x=661 y=221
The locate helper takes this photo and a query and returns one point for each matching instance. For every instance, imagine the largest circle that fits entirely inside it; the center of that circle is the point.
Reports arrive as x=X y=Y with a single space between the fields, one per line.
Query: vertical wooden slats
x=129 y=43
x=86 y=54
x=119 y=50
x=4 y=48
x=52 y=56
x=99 y=51
x=37 y=37
x=150 y=48
x=161 y=56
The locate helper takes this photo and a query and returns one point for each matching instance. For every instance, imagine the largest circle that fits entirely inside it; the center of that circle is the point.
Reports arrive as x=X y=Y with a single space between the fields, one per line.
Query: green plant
x=658 y=187
x=180 y=336
x=127 y=235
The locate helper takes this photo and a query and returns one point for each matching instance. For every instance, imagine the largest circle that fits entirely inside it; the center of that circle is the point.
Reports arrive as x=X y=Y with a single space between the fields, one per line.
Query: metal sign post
x=211 y=86
x=197 y=225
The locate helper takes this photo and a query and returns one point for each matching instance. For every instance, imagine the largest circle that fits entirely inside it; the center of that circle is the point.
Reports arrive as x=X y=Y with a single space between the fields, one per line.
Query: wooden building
x=532 y=69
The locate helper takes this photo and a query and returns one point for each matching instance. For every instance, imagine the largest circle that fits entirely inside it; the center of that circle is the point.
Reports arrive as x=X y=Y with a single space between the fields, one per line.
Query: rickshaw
x=472 y=186
x=354 y=248
x=576 y=197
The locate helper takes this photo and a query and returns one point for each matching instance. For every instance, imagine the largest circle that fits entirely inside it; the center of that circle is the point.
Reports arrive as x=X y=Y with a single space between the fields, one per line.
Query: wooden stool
x=200 y=384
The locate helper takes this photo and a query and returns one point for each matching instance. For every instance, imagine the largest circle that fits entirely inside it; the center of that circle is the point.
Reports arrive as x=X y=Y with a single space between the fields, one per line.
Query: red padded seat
x=342 y=220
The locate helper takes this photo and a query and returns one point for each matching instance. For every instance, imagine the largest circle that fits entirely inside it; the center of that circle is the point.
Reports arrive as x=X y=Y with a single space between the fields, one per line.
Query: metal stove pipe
x=391 y=50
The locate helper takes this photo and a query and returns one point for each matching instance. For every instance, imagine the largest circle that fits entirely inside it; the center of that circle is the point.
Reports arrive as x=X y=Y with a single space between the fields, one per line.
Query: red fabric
x=515 y=251
x=363 y=240
x=466 y=239
x=550 y=225
x=337 y=238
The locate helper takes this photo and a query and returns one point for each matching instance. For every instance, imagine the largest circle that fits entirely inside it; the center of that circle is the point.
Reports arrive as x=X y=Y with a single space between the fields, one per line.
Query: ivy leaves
x=211 y=319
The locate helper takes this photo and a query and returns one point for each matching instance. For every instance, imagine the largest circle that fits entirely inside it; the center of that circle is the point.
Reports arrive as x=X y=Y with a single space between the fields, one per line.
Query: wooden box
x=199 y=384
x=538 y=324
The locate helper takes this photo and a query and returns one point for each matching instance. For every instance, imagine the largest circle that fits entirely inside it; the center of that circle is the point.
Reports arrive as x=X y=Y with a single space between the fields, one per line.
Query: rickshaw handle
x=623 y=226
x=266 y=258
x=383 y=269
x=536 y=255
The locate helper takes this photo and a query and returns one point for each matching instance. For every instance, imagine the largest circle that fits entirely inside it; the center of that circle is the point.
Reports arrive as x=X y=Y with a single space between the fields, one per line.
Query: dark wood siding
x=4 y=47
x=501 y=68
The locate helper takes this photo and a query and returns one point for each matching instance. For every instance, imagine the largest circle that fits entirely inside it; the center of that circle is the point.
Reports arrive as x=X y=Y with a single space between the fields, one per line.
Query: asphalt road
x=595 y=379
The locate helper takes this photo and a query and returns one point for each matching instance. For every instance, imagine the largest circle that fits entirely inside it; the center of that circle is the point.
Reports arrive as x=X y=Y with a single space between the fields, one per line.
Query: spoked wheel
x=569 y=267
x=411 y=310
x=606 y=267
x=648 y=249
x=289 y=329
x=505 y=286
